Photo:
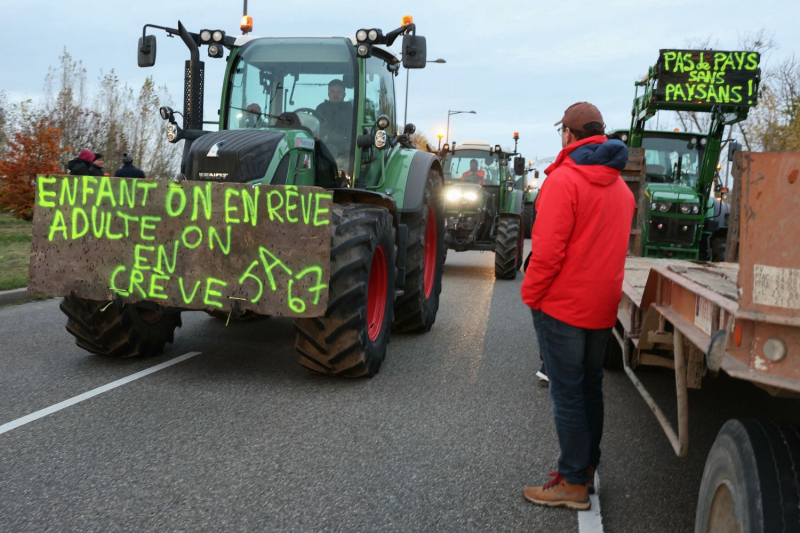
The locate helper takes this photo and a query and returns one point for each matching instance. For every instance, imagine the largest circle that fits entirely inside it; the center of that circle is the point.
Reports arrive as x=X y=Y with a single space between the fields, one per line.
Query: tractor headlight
x=664 y=206
x=372 y=36
x=205 y=36
x=470 y=195
x=380 y=139
x=453 y=194
x=695 y=209
x=686 y=209
x=218 y=36
x=362 y=50
x=361 y=35
x=654 y=206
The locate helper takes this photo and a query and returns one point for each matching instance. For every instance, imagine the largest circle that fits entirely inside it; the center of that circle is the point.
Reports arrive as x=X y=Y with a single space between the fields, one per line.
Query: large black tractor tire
x=351 y=339
x=527 y=219
x=112 y=331
x=507 y=251
x=751 y=481
x=719 y=245
x=416 y=308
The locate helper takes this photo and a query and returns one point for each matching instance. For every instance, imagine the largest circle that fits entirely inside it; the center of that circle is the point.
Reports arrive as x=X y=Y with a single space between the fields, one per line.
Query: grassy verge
x=15 y=252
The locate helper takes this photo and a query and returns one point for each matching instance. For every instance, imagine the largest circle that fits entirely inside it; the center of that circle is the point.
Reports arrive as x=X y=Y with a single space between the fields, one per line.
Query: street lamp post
x=449 y=113
x=408 y=71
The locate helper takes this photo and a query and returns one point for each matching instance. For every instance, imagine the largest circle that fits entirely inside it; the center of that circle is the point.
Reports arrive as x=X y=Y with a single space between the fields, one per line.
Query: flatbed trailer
x=739 y=318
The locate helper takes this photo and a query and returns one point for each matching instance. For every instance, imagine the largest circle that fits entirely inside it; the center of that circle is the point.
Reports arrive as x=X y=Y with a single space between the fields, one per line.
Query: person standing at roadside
x=81 y=165
x=127 y=170
x=96 y=168
x=573 y=287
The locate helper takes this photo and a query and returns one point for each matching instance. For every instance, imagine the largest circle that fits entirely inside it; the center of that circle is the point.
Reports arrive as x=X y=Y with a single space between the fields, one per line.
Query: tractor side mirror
x=415 y=51
x=519 y=166
x=147 y=51
x=409 y=129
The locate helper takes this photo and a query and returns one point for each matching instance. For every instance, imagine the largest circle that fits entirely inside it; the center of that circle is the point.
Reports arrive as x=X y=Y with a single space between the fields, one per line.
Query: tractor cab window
x=472 y=166
x=379 y=92
x=673 y=160
x=314 y=78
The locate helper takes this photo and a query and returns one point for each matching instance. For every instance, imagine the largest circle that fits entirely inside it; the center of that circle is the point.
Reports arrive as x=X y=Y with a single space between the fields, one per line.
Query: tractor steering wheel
x=313 y=112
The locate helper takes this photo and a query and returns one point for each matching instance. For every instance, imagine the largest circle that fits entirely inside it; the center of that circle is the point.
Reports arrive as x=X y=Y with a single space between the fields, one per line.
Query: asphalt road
x=241 y=437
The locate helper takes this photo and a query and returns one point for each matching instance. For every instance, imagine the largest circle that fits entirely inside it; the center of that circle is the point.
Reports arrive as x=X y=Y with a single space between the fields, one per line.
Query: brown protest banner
x=190 y=245
x=708 y=77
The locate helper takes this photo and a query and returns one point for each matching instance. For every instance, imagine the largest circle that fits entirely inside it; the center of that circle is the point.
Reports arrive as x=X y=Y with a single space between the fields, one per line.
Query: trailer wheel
x=507 y=255
x=112 y=331
x=751 y=480
x=527 y=220
x=351 y=339
x=416 y=309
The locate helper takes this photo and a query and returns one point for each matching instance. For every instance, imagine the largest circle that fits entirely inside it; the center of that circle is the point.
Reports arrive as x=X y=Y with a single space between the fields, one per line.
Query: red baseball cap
x=578 y=115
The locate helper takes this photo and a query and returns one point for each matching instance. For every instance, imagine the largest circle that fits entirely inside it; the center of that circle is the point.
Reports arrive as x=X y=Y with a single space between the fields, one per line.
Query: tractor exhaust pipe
x=193 y=81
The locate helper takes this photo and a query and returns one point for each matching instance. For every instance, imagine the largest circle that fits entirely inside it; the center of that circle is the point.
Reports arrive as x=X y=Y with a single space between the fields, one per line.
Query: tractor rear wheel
x=112 y=331
x=351 y=339
x=527 y=219
x=506 y=249
x=416 y=309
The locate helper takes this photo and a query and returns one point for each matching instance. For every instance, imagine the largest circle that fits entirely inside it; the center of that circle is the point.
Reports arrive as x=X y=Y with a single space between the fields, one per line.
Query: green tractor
x=678 y=215
x=484 y=200
x=311 y=124
x=529 y=200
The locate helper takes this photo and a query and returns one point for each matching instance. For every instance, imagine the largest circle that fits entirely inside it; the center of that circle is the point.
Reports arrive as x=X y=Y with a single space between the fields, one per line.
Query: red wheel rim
x=376 y=293
x=431 y=252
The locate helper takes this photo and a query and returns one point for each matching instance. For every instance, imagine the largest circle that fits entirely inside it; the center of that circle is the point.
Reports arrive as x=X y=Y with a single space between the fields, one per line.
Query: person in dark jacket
x=97 y=165
x=82 y=165
x=573 y=286
x=127 y=170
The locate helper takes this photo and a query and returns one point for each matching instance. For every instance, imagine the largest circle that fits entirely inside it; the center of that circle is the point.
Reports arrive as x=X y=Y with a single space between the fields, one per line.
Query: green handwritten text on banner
x=190 y=245
x=708 y=77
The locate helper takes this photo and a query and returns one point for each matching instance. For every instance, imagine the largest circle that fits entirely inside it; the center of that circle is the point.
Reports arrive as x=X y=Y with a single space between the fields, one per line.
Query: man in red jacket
x=573 y=285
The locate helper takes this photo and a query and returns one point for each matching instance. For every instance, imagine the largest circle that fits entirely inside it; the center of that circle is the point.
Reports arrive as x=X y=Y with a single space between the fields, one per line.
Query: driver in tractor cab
x=337 y=115
x=253 y=118
x=473 y=175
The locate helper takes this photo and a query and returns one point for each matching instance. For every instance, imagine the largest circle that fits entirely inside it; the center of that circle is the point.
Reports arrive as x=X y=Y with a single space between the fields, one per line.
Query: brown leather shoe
x=558 y=493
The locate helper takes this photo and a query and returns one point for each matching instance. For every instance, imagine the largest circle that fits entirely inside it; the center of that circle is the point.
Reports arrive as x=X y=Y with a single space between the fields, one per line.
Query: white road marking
x=591 y=521
x=92 y=393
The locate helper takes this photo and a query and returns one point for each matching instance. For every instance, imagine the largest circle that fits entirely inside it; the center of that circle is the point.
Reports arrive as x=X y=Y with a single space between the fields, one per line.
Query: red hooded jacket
x=580 y=238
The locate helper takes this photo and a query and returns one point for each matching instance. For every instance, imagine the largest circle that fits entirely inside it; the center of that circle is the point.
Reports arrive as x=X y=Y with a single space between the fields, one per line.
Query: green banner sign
x=708 y=77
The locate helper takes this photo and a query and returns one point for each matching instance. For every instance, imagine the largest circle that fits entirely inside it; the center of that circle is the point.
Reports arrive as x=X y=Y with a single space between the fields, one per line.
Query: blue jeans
x=574 y=360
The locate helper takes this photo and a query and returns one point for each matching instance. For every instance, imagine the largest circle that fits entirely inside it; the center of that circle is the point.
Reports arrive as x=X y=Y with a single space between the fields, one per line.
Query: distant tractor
x=484 y=203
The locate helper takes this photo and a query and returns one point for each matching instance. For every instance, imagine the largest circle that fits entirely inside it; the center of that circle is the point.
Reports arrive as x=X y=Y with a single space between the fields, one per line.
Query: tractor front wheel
x=112 y=331
x=351 y=339
x=416 y=309
x=507 y=252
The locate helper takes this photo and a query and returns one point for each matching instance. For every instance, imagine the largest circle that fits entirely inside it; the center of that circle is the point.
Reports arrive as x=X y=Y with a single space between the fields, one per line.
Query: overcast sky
x=517 y=64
